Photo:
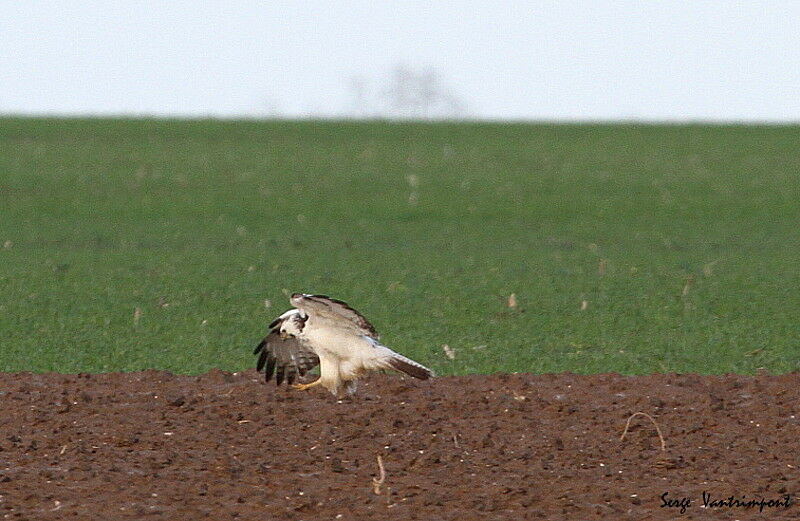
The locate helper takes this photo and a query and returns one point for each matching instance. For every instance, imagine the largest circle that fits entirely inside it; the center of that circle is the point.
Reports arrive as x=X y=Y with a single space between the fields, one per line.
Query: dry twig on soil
x=658 y=429
x=378 y=482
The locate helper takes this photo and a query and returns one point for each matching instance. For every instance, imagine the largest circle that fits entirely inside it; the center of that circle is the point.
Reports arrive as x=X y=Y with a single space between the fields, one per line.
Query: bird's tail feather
x=411 y=368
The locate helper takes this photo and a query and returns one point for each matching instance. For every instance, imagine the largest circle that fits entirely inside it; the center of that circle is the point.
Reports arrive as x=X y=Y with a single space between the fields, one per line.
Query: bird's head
x=297 y=299
x=308 y=303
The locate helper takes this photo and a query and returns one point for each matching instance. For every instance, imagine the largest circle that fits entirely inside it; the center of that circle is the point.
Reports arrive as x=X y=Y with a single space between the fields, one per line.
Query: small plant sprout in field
x=708 y=269
x=512 y=300
x=413 y=182
x=449 y=352
x=688 y=285
x=137 y=315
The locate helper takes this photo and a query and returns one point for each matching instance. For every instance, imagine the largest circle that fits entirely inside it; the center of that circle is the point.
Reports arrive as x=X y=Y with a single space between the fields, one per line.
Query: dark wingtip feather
x=290 y=374
x=262 y=359
x=269 y=369
x=260 y=346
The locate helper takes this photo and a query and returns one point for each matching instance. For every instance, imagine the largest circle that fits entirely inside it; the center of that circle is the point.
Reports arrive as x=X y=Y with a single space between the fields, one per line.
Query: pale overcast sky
x=590 y=60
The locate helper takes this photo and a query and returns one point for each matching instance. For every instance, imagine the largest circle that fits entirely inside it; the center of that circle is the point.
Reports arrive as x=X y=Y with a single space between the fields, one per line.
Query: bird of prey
x=324 y=331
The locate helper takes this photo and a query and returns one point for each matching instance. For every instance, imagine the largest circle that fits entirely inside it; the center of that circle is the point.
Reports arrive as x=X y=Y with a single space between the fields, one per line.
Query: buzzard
x=324 y=331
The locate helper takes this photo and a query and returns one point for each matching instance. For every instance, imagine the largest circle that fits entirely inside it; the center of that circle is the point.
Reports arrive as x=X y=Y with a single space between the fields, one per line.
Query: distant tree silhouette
x=406 y=94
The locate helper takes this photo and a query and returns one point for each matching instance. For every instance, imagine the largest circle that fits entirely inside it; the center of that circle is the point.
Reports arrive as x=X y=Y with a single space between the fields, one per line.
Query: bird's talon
x=303 y=387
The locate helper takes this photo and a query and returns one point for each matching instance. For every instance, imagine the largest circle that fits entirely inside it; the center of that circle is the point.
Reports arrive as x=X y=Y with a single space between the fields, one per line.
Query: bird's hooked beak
x=284 y=335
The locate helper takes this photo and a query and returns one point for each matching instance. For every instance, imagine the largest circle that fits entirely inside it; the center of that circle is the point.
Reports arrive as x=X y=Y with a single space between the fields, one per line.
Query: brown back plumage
x=343 y=309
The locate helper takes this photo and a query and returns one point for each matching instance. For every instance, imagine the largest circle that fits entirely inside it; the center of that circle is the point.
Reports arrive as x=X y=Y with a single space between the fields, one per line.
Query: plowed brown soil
x=153 y=445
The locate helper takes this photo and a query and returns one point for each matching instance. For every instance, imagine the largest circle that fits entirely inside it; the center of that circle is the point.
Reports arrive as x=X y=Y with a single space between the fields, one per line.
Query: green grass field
x=683 y=242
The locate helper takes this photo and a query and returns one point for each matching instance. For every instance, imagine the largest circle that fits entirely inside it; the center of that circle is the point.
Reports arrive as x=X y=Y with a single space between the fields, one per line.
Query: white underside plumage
x=344 y=354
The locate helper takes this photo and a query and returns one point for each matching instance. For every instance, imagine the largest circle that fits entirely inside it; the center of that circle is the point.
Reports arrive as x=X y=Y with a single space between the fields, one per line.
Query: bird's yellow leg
x=303 y=387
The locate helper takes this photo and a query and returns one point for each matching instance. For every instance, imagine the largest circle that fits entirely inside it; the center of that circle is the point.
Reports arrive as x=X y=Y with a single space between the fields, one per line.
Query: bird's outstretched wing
x=335 y=309
x=286 y=358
